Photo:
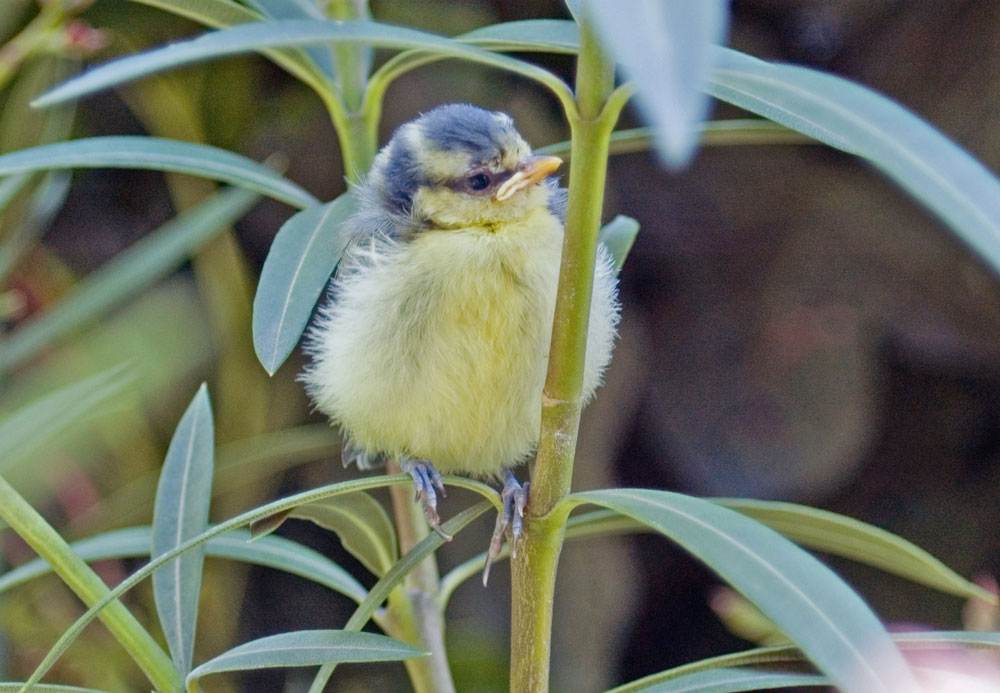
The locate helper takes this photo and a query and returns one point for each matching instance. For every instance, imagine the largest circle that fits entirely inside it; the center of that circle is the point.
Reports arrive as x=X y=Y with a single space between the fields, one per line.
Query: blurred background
x=794 y=328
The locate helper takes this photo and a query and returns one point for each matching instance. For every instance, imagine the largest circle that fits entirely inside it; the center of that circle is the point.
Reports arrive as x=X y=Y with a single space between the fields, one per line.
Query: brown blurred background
x=794 y=328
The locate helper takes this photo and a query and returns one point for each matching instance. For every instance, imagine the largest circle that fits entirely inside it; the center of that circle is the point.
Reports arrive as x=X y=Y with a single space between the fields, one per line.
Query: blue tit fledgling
x=433 y=345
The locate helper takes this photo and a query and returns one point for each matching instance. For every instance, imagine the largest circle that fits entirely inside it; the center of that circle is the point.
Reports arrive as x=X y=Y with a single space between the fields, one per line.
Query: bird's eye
x=480 y=181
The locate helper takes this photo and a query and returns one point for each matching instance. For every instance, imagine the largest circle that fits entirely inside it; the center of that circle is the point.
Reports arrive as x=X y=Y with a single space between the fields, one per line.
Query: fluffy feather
x=435 y=339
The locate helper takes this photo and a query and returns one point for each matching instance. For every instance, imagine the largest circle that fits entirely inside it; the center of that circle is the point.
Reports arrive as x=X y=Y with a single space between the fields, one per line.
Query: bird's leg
x=510 y=518
x=425 y=480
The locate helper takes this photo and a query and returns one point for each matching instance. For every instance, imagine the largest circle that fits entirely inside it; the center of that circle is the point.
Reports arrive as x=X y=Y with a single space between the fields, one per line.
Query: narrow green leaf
x=526 y=35
x=42 y=207
x=119 y=279
x=362 y=524
x=618 y=235
x=271 y=552
x=859 y=541
x=26 y=429
x=180 y=513
x=286 y=33
x=733 y=681
x=400 y=569
x=306 y=648
x=299 y=9
x=667 y=50
x=298 y=267
x=266 y=525
x=223 y=13
x=71 y=633
x=827 y=620
x=12 y=687
x=214 y=13
x=158 y=154
x=943 y=641
x=936 y=171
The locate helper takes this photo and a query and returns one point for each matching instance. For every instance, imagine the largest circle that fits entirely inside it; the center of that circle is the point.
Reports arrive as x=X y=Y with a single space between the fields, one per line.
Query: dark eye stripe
x=462 y=184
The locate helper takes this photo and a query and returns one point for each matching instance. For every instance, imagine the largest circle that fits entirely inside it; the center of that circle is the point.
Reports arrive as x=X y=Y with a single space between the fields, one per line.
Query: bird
x=432 y=343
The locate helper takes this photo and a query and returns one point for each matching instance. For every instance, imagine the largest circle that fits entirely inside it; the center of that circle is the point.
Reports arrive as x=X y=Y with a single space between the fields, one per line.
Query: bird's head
x=460 y=166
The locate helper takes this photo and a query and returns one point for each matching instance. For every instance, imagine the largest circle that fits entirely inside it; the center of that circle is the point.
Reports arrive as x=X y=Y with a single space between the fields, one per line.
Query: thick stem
x=534 y=568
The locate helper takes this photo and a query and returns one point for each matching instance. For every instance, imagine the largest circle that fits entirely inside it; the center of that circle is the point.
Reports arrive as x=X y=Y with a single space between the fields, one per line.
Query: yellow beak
x=534 y=169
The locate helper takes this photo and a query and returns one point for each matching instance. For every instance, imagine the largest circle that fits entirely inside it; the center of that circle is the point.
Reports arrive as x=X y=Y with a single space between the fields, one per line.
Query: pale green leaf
x=666 y=48
x=936 y=171
x=298 y=267
x=180 y=512
x=858 y=541
x=271 y=552
x=804 y=598
x=733 y=681
x=12 y=687
x=306 y=648
x=71 y=633
x=158 y=154
x=618 y=235
x=26 y=429
x=286 y=33
x=526 y=35
x=941 y=641
x=362 y=525
x=299 y=9
x=119 y=279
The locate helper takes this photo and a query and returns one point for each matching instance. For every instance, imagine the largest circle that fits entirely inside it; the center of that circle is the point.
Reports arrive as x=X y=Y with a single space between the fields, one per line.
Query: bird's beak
x=534 y=169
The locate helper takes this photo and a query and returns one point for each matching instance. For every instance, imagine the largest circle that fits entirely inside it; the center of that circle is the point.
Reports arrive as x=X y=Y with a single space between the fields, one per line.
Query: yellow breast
x=437 y=348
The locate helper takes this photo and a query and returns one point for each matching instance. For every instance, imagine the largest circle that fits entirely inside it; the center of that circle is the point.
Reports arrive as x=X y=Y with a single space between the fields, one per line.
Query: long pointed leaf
x=734 y=681
x=286 y=33
x=180 y=513
x=271 y=552
x=618 y=235
x=158 y=154
x=24 y=430
x=298 y=267
x=943 y=641
x=146 y=261
x=803 y=597
x=858 y=541
x=936 y=171
x=46 y=688
x=666 y=47
x=362 y=524
x=306 y=648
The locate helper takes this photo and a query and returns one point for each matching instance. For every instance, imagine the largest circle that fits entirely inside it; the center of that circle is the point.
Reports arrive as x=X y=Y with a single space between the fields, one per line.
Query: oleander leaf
x=849 y=538
x=804 y=598
x=271 y=552
x=146 y=261
x=180 y=512
x=732 y=681
x=259 y=36
x=158 y=154
x=618 y=235
x=925 y=163
x=298 y=267
x=306 y=648
x=362 y=524
x=666 y=48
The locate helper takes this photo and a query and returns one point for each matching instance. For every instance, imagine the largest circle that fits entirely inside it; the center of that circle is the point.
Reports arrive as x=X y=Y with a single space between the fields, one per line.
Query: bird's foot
x=427 y=483
x=509 y=520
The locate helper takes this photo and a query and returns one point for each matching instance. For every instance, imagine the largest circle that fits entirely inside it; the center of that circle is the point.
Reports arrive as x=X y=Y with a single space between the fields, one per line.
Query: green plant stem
x=30 y=40
x=413 y=608
x=349 y=58
x=533 y=570
x=78 y=576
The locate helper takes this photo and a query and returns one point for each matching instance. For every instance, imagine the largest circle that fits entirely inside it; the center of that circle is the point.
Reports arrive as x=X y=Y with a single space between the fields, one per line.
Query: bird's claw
x=427 y=483
x=509 y=520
